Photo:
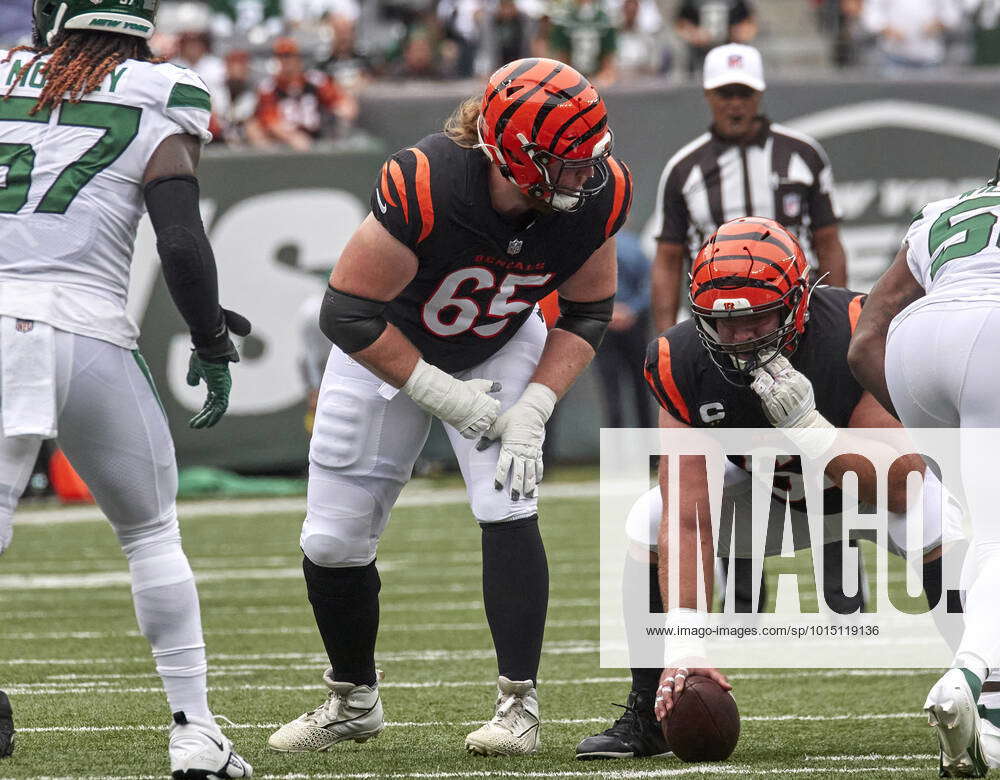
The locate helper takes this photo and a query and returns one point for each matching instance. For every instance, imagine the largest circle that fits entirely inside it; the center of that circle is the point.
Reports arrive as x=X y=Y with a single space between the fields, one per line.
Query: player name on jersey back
x=72 y=181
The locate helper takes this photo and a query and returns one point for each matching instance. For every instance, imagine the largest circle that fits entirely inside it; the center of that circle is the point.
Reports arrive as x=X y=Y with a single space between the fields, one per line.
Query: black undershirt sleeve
x=186 y=256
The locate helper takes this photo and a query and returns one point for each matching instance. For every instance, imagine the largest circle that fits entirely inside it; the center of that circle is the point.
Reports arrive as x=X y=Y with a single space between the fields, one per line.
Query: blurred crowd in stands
x=288 y=72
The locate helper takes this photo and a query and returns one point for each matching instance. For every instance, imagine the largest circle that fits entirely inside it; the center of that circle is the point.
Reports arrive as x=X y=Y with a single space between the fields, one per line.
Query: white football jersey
x=953 y=246
x=71 y=190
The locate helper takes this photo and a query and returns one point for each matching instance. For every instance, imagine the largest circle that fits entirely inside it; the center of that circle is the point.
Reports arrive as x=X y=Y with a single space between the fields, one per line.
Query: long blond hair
x=461 y=125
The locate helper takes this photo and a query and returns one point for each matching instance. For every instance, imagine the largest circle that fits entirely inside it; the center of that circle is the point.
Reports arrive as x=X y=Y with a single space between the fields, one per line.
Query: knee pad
x=495 y=506
x=642 y=525
x=344 y=529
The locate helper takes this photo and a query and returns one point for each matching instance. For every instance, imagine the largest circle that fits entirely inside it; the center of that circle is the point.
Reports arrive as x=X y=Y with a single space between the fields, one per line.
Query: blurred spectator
x=298 y=106
x=240 y=98
x=253 y=20
x=304 y=13
x=15 y=22
x=194 y=51
x=911 y=33
x=985 y=17
x=462 y=22
x=840 y=20
x=639 y=49
x=582 y=34
x=510 y=26
x=349 y=67
x=622 y=353
x=705 y=24
x=420 y=56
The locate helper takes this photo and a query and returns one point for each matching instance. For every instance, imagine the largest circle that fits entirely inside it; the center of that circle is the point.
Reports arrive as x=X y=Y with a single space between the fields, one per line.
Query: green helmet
x=128 y=17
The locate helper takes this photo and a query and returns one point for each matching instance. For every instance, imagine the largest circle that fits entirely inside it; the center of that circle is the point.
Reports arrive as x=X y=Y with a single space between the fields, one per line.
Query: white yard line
x=281 y=630
x=742 y=770
x=411 y=497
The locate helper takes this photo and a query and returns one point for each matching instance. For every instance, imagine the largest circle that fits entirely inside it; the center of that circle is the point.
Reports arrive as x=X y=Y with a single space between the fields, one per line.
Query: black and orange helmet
x=750 y=265
x=536 y=112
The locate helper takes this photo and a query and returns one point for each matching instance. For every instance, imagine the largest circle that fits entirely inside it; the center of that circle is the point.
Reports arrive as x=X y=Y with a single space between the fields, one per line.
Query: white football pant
x=367 y=436
x=115 y=434
x=943 y=371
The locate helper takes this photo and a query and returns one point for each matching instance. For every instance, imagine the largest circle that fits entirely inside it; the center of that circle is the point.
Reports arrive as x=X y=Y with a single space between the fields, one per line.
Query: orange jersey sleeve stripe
x=854 y=311
x=667 y=381
x=397 y=178
x=384 y=186
x=619 y=199
x=424 y=201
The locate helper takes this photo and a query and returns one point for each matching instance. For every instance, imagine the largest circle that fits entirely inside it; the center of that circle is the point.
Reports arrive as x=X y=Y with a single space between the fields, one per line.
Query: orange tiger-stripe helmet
x=750 y=266
x=546 y=128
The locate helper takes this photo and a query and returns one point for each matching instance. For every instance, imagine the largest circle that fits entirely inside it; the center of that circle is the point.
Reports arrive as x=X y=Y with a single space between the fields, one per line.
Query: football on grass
x=704 y=724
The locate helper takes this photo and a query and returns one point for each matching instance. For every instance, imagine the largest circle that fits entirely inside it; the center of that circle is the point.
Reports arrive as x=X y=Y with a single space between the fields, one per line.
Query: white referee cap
x=734 y=63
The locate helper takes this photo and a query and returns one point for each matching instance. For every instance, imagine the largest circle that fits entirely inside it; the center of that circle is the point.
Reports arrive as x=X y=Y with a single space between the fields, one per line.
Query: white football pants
x=114 y=432
x=943 y=371
x=367 y=436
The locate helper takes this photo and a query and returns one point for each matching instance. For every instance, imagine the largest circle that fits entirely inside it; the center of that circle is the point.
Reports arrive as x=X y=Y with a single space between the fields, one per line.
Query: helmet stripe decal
x=423 y=186
x=520 y=70
x=764 y=236
x=588 y=135
x=509 y=112
x=745 y=258
x=560 y=96
x=557 y=136
x=397 y=179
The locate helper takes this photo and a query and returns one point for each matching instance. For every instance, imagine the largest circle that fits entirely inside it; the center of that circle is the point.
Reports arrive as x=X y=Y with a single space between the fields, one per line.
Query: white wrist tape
x=686 y=643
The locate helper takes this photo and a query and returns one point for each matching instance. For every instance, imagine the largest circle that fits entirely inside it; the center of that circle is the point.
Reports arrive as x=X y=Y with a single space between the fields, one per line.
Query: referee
x=743 y=166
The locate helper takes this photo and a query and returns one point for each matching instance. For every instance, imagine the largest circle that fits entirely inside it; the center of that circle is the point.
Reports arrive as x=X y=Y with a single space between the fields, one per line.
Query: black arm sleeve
x=186 y=256
x=586 y=319
x=350 y=321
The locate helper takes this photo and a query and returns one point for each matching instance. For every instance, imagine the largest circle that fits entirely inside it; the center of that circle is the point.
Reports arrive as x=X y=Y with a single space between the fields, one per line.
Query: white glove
x=464 y=405
x=521 y=430
x=790 y=403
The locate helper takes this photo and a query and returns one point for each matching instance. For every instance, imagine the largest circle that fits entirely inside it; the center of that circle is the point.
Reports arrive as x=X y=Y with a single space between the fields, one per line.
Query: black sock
x=644 y=680
x=516 y=594
x=345 y=603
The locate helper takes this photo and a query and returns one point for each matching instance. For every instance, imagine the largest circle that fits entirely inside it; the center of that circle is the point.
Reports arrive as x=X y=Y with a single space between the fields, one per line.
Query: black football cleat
x=6 y=726
x=636 y=734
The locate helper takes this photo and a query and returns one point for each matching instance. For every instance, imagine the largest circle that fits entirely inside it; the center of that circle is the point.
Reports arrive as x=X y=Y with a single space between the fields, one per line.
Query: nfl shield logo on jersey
x=24 y=326
x=514 y=246
x=792 y=204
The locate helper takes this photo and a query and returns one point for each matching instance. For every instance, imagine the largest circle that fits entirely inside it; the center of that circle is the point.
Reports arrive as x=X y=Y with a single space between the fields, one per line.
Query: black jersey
x=690 y=386
x=479 y=276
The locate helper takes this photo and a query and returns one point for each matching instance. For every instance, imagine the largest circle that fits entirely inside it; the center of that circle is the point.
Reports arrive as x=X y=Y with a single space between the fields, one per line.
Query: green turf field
x=88 y=704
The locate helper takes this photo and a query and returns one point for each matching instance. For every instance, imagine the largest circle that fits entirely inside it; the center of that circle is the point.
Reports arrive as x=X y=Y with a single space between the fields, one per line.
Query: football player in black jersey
x=431 y=309
x=762 y=349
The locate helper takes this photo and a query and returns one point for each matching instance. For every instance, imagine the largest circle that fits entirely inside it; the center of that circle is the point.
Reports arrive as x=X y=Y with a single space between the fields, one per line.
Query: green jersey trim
x=189 y=96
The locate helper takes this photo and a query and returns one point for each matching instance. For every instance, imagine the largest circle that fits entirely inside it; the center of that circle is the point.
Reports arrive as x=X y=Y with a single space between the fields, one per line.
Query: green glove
x=209 y=363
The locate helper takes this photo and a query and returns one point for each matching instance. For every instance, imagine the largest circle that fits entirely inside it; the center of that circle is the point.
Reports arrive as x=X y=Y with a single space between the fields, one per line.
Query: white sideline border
x=411 y=497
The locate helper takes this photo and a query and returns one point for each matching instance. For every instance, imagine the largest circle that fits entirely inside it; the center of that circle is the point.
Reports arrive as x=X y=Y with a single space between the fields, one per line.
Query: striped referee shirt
x=781 y=174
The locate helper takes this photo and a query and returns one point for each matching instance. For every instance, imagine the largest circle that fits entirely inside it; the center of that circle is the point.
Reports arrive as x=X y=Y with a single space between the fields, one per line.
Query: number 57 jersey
x=71 y=189
x=953 y=247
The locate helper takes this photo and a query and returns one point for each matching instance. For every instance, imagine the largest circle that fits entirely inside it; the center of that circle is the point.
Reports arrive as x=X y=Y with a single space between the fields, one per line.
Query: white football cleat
x=349 y=712
x=200 y=751
x=951 y=709
x=514 y=729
